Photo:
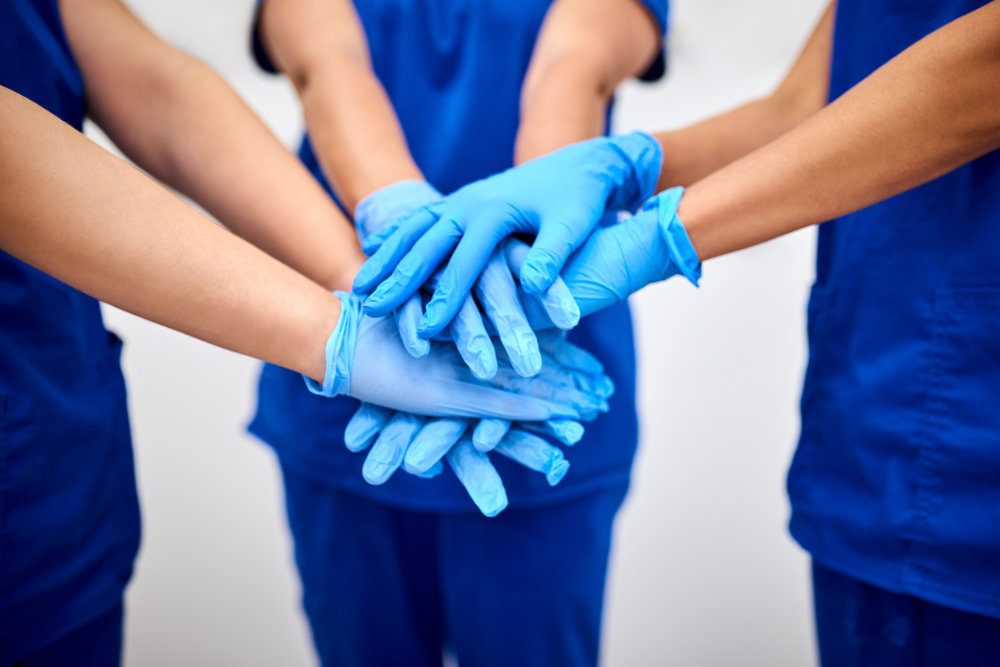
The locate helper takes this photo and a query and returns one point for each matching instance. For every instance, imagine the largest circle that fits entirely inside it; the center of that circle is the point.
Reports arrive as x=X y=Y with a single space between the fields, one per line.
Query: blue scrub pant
x=95 y=644
x=384 y=586
x=861 y=625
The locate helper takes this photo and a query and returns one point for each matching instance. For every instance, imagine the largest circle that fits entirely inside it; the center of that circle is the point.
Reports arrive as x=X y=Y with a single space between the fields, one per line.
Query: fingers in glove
x=388 y=451
x=488 y=433
x=432 y=443
x=498 y=294
x=380 y=265
x=367 y=422
x=536 y=454
x=479 y=477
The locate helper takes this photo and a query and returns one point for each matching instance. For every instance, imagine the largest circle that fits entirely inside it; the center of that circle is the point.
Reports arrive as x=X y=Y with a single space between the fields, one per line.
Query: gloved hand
x=365 y=360
x=377 y=217
x=418 y=445
x=620 y=259
x=560 y=198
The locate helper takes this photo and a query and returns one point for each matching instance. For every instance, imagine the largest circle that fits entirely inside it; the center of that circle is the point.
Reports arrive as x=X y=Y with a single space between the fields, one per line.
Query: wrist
x=322 y=321
x=331 y=360
x=678 y=250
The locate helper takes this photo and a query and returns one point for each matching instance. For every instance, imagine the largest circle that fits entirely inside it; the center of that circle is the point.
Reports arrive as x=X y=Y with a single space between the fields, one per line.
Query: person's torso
x=453 y=70
x=895 y=477
x=68 y=511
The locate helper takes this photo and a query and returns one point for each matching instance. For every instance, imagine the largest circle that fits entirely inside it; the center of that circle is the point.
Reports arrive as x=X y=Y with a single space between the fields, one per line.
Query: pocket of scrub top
x=958 y=467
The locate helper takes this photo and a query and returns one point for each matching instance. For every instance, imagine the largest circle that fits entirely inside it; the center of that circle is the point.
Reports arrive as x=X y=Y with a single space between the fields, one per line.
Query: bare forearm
x=356 y=135
x=183 y=124
x=926 y=112
x=584 y=50
x=320 y=45
x=564 y=105
x=692 y=153
x=225 y=159
x=80 y=214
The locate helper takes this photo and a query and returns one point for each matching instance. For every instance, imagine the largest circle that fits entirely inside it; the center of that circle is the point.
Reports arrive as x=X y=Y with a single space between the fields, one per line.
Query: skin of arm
x=320 y=45
x=924 y=113
x=694 y=152
x=183 y=124
x=584 y=50
x=82 y=215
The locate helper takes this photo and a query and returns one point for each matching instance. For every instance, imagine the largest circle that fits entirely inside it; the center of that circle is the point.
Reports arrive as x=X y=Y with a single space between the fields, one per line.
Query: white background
x=703 y=572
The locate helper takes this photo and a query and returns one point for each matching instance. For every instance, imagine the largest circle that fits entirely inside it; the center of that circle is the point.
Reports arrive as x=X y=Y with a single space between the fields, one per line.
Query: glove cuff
x=382 y=207
x=339 y=350
x=644 y=157
x=680 y=250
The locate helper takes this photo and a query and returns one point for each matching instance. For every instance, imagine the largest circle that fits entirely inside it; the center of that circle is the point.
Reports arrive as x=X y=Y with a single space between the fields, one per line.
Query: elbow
x=576 y=71
x=306 y=70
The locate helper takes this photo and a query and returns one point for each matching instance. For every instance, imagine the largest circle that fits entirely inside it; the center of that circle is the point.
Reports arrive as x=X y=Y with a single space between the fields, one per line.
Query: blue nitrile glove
x=377 y=217
x=560 y=198
x=366 y=360
x=620 y=259
x=419 y=445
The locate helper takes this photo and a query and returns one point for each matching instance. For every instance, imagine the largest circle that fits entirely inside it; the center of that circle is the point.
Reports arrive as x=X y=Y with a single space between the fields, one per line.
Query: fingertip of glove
x=376 y=474
x=568 y=432
x=556 y=473
x=535 y=279
x=493 y=504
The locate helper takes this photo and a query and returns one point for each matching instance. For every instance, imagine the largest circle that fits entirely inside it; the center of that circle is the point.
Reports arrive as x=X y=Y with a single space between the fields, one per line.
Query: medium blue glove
x=378 y=216
x=620 y=259
x=365 y=360
x=560 y=198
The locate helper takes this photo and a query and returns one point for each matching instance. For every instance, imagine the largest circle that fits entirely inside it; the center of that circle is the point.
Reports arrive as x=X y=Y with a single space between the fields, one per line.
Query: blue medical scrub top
x=69 y=518
x=896 y=480
x=453 y=70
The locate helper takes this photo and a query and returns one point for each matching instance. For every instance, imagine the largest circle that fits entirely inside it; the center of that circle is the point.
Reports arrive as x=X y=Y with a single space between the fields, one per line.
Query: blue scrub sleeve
x=260 y=54
x=659 y=10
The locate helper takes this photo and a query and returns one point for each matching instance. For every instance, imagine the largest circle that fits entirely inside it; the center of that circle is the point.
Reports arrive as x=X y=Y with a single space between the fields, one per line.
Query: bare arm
x=585 y=49
x=80 y=214
x=693 y=152
x=321 y=46
x=941 y=96
x=182 y=123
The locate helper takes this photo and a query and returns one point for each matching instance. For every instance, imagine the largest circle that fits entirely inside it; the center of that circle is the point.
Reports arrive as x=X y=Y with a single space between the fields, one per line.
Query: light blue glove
x=499 y=298
x=620 y=259
x=365 y=360
x=418 y=445
x=378 y=216
x=560 y=198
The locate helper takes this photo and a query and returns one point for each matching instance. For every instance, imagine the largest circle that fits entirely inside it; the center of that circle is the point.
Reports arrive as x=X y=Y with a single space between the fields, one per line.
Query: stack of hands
x=455 y=336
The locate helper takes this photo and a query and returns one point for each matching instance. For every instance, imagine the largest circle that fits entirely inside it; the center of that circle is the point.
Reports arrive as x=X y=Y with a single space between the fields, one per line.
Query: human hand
x=366 y=360
x=418 y=445
x=618 y=260
x=499 y=309
x=560 y=198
